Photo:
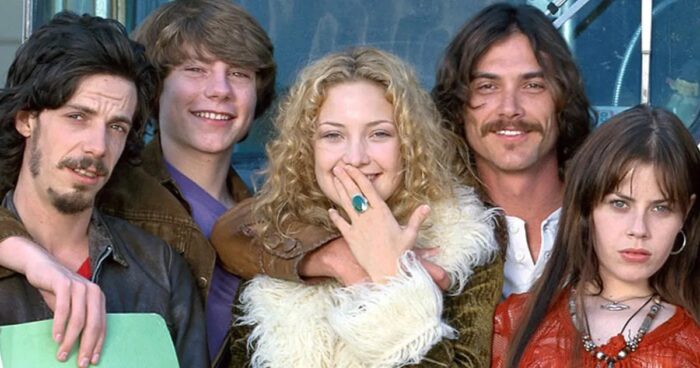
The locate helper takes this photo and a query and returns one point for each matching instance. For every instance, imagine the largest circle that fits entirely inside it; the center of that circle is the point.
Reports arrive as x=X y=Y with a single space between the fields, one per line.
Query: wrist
x=16 y=252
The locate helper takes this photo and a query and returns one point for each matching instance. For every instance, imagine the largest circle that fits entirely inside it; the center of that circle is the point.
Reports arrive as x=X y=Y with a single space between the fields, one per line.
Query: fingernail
x=58 y=337
x=62 y=356
x=84 y=362
x=95 y=358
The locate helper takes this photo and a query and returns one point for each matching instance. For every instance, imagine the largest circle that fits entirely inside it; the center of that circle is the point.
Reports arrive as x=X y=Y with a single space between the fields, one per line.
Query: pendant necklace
x=625 y=347
x=618 y=305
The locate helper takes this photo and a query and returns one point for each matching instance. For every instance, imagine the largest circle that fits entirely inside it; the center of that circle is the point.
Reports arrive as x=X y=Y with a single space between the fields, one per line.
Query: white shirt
x=519 y=270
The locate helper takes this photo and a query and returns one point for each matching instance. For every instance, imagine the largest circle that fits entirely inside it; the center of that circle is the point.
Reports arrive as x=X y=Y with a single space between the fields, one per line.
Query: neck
x=208 y=170
x=530 y=195
x=64 y=236
x=617 y=290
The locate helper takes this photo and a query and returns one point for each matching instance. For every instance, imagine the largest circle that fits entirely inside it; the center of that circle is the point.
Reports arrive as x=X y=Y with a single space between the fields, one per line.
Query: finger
x=363 y=184
x=97 y=352
x=437 y=273
x=426 y=252
x=417 y=218
x=61 y=309
x=76 y=321
x=93 y=325
x=351 y=188
x=339 y=221
x=344 y=198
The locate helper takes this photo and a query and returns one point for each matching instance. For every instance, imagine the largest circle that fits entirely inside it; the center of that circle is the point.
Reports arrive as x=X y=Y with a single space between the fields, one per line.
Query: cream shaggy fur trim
x=297 y=325
x=463 y=229
x=392 y=324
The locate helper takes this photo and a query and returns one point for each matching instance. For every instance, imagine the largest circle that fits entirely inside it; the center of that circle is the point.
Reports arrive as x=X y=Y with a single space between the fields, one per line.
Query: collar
x=154 y=164
x=100 y=238
x=550 y=222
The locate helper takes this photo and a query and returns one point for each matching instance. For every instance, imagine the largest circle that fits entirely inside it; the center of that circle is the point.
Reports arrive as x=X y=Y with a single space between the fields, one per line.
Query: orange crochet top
x=675 y=343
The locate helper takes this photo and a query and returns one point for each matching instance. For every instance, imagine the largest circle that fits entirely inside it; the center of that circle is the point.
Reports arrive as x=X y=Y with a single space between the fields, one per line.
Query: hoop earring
x=685 y=239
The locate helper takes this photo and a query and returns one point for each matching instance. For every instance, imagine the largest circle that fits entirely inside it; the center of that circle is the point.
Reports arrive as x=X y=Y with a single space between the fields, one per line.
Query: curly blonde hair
x=291 y=196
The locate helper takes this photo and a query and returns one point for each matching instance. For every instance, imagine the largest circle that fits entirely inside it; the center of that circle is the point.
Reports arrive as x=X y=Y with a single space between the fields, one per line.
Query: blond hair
x=291 y=196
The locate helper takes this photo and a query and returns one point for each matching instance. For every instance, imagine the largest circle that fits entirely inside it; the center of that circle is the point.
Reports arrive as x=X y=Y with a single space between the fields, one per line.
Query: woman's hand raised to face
x=375 y=238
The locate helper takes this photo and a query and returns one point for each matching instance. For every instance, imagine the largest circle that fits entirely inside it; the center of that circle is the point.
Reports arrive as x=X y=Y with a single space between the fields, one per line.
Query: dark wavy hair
x=640 y=135
x=208 y=28
x=493 y=24
x=50 y=65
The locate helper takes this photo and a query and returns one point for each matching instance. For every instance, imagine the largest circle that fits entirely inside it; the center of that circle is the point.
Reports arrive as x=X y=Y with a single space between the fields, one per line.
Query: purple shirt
x=205 y=211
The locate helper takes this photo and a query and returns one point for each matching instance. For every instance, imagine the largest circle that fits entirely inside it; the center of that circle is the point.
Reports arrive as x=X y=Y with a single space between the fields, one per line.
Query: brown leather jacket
x=148 y=197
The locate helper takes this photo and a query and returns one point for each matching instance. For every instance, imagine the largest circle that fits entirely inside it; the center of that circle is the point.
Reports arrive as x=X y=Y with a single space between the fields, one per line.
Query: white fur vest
x=370 y=325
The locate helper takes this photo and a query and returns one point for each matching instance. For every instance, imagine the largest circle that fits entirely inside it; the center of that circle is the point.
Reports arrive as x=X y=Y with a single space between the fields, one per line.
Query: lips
x=87 y=167
x=635 y=255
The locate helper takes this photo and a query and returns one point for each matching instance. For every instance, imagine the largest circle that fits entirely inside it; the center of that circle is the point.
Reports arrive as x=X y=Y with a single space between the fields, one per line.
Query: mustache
x=501 y=124
x=84 y=163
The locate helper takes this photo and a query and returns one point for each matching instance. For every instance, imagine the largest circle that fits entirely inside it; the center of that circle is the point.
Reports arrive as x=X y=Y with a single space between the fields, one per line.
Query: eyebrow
x=487 y=75
x=89 y=111
x=628 y=198
x=371 y=123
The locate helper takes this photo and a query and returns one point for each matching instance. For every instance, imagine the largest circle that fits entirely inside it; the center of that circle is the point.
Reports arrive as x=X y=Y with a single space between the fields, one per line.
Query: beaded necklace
x=629 y=346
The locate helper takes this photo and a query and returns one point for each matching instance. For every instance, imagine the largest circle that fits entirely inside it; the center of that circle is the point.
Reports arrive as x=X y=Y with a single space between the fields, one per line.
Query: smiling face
x=510 y=120
x=635 y=229
x=71 y=151
x=206 y=106
x=356 y=127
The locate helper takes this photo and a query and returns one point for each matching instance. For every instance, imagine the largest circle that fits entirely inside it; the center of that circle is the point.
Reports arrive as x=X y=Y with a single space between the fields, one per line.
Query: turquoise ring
x=359 y=203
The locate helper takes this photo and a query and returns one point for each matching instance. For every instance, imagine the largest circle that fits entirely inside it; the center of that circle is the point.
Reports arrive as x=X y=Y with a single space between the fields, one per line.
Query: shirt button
x=520 y=257
x=202 y=282
x=547 y=254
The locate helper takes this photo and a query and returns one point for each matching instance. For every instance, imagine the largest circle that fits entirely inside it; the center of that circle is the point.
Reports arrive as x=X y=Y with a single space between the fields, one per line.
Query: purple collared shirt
x=205 y=211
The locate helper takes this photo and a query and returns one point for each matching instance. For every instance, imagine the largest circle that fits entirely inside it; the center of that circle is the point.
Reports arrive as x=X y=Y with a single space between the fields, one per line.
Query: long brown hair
x=639 y=135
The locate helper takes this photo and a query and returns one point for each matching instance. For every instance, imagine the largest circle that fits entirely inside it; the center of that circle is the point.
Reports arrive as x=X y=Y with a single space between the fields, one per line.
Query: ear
x=25 y=122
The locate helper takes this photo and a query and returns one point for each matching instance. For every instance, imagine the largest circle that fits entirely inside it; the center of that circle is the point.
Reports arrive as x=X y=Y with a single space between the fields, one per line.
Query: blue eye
x=661 y=208
x=618 y=203
x=331 y=135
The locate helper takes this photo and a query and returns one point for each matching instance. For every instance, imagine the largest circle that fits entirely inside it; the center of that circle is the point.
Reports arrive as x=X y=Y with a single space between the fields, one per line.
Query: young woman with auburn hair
x=621 y=288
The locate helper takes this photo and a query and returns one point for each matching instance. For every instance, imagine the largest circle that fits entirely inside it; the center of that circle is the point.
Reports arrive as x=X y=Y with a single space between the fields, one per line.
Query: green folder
x=133 y=340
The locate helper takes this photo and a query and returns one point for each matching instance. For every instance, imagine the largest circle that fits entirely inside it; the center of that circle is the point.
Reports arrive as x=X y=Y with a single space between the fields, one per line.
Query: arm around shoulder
x=234 y=238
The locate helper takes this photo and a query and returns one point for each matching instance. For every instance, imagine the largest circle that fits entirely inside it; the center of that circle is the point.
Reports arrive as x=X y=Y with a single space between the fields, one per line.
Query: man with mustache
x=508 y=84
x=76 y=99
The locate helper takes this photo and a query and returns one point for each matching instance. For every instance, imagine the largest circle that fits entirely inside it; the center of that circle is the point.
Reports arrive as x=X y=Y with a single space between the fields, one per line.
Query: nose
x=510 y=104
x=356 y=153
x=638 y=227
x=95 y=142
x=218 y=85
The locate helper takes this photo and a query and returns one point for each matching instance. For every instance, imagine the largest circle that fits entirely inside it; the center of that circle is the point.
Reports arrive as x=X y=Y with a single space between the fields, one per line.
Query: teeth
x=83 y=172
x=371 y=177
x=212 y=115
x=510 y=133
